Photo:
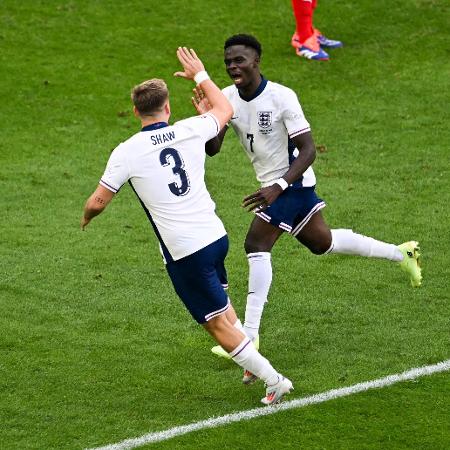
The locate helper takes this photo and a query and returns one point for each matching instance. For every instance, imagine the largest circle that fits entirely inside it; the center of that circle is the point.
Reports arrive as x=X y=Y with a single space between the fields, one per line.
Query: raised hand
x=190 y=62
x=200 y=102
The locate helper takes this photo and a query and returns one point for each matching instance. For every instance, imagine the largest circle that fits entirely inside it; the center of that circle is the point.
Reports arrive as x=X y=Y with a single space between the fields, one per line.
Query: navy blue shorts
x=199 y=280
x=292 y=210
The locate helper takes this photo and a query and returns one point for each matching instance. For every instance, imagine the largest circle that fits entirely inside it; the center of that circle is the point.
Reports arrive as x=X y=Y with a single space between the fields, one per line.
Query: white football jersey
x=165 y=166
x=264 y=125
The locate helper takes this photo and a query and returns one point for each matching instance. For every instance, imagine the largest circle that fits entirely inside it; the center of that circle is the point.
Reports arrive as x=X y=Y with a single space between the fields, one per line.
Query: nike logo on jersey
x=234 y=118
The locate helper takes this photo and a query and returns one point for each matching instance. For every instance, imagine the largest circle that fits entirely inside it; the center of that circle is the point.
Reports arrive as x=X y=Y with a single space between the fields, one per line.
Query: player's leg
x=315 y=234
x=224 y=332
x=259 y=241
x=233 y=318
x=303 y=12
x=230 y=313
x=264 y=231
x=304 y=39
x=319 y=239
x=235 y=321
x=243 y=353
x=198 y=281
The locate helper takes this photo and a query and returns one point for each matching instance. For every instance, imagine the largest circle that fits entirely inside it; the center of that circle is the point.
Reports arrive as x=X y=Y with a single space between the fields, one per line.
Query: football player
x=276 y=136
x=165 y=166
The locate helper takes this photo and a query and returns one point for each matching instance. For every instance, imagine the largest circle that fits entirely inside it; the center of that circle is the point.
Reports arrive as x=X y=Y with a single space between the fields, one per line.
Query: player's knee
x=251 y=246
x=216 y=324
x=320 y=248
x=219 y=328
x=254 y=245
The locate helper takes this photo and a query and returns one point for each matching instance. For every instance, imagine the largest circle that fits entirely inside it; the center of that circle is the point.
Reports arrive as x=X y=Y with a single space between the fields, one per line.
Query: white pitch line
x=267 y=410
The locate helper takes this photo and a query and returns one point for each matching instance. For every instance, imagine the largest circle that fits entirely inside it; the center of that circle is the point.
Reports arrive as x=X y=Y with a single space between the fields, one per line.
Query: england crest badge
x=264 y=119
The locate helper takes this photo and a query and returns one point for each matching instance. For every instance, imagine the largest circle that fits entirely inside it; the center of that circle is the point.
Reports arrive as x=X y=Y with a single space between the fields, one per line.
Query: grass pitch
x=95 y=346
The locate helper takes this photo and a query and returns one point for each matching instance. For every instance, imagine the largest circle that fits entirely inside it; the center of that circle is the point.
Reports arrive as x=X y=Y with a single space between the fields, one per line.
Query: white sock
x=246 y=355
x=259 y=281
x=239 y=326
x=349 y=243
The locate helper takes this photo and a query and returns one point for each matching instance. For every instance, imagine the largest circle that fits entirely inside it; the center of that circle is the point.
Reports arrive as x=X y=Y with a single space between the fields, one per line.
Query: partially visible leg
x=316 y=235
x=260 y=239
x=305 y=39
x=231 y=316
x=303 y=12
x=318 y=238
x=349 y=243
x=240 y=348
x=230 y=313
x=224 y=332
x=259 y=282
x=244 y=354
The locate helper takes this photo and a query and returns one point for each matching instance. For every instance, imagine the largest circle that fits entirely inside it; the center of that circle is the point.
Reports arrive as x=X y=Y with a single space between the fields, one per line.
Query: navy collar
x=155 y=126
x=258 y=91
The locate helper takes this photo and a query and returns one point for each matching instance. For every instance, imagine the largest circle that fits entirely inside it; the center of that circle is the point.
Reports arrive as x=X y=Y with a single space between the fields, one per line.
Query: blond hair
x=150 y=96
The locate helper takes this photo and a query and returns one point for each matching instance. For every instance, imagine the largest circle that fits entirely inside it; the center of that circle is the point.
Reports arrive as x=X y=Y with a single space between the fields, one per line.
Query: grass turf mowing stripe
x=265 y=411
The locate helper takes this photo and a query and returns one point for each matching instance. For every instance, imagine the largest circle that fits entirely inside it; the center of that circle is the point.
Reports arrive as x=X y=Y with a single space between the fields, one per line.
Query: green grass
x=94 y=345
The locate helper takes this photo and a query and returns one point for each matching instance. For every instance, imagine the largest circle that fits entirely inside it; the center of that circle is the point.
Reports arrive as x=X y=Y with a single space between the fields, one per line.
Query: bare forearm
x=305 y=158
x=213 y=146
x=94 y=206
x=220 y=106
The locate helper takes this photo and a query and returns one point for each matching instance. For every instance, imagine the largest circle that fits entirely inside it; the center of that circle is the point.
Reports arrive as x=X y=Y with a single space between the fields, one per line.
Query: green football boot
x=411 y=263
x=219 y=351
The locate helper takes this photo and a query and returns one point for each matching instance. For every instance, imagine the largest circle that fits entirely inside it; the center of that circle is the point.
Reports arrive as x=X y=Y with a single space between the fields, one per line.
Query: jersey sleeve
x=206 y=126
x=116 y=172
x=293 y=116
x=227 y=91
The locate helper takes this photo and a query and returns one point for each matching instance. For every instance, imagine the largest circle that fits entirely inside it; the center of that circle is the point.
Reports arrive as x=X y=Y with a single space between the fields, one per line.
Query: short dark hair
x=244 y=39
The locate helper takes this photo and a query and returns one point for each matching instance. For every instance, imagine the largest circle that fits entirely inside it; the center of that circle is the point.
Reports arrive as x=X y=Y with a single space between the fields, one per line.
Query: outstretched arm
x=95 y=204
x=202 y=105
x=195 y=70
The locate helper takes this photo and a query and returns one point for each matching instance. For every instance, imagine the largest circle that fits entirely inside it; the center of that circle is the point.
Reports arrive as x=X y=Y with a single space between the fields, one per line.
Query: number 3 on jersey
x=171 y=157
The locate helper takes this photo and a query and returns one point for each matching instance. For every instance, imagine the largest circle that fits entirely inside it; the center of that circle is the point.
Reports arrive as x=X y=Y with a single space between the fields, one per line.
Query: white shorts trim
x=263 y=216
x=300 y=226
x=213 y=314
x=285 y=227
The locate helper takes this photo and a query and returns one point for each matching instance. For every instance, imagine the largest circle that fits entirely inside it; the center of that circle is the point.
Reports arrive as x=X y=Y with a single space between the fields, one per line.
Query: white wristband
x=201 y=76
x=282 y=183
